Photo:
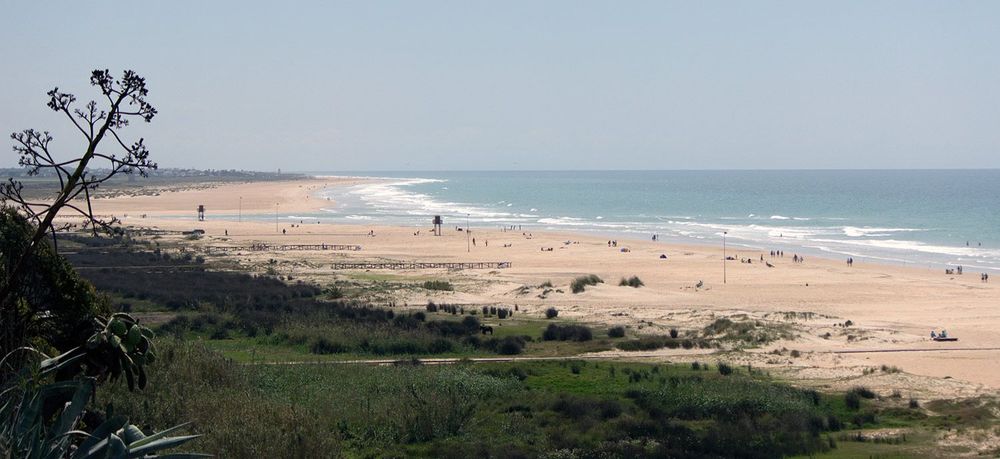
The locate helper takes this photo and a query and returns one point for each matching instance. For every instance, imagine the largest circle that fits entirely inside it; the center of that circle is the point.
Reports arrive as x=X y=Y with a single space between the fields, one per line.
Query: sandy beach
x=891 y=309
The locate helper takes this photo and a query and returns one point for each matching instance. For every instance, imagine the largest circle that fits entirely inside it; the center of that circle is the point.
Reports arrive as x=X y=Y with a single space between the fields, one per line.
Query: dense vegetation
x=51 y=305
x=576 y=408
x=266 y=311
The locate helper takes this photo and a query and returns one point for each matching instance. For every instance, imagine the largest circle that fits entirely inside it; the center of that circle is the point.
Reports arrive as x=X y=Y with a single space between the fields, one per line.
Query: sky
x=532 y=85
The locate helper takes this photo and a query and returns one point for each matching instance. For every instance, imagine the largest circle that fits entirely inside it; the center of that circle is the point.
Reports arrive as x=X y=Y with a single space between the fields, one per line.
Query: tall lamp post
x=275 y=217
x=468 y=235
x=241 y=210
x=724 y=233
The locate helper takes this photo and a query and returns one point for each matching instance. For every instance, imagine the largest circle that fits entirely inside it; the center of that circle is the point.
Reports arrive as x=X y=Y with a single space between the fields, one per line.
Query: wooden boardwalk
x=419 y=265
x=285 y=247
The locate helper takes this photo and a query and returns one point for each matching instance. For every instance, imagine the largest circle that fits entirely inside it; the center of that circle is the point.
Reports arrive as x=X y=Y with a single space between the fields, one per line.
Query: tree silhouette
x=78 y=177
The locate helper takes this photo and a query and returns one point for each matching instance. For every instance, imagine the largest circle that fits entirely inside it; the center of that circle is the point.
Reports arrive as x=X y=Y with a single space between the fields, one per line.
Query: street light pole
x=724 y=233
x=468 y=235
x=275 y=217
x=241 y=210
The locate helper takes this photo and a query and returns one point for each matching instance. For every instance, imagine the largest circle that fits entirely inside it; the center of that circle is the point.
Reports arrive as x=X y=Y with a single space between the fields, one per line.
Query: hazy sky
x=422 y=85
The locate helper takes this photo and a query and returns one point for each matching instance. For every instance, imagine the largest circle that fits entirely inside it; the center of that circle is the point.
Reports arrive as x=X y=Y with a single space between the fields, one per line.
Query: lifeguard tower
x=438 y=221
x=201 y=212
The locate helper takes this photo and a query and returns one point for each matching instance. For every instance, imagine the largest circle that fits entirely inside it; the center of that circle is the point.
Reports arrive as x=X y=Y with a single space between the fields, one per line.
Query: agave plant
x=41 y=420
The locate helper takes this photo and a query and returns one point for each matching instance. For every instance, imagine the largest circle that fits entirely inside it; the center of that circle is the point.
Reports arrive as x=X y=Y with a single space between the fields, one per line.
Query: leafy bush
x=325 y=346
x=510 y=345
x=551 y=313
x=725 y=369
x=852 y=400
x=567 y=333
x=863 y=392
x=616 y=332
x=52 y=302
x=580 y=283
x=431 y=307
x=633 y=282
x=439 y=285
x=652 y=343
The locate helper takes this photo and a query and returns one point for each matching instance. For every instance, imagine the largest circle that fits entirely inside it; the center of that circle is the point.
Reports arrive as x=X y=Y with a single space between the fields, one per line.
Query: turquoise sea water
x=918 y=217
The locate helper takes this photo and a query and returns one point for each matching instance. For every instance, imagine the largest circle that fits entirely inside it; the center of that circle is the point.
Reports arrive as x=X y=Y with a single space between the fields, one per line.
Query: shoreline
x=739 y=244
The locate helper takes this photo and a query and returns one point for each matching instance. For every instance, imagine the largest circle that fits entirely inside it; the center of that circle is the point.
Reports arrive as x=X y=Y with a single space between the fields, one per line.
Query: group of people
x=510 y=228
x=943 y=334
x=798 y=259
x=613 y=243
x=777 y=253
x=984 y=277
x=850 y=261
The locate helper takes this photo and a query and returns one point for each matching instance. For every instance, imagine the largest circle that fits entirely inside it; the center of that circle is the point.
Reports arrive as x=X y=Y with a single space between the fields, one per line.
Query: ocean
x=930 y=218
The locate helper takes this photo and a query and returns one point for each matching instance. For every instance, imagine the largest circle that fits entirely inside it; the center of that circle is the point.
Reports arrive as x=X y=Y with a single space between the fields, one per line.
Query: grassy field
x=566 y=408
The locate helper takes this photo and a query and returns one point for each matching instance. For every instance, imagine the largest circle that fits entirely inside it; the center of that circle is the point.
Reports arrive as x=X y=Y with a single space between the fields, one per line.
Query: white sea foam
x=393 y=197
x=854 y=231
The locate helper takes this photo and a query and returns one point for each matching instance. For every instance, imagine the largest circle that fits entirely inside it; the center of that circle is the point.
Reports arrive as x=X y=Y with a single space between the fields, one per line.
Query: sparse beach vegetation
x=580 y=283
x=633 y=282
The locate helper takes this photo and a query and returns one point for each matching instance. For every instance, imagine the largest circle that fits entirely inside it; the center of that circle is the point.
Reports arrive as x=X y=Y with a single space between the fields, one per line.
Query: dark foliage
x=222 y=305
x=556 y=332
x=580 y=283
x=52 y=305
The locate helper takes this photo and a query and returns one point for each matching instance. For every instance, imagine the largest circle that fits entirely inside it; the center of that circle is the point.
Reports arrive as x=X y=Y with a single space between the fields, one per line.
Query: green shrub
x=566 y=333
x=439 y=285
x=616 y=332
x=725 y=369
x=324 y=346
x=580 y=283
x=633 y=282
x=551 y=313
x=863 y=392
x=510 y=345
x=852 y=400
